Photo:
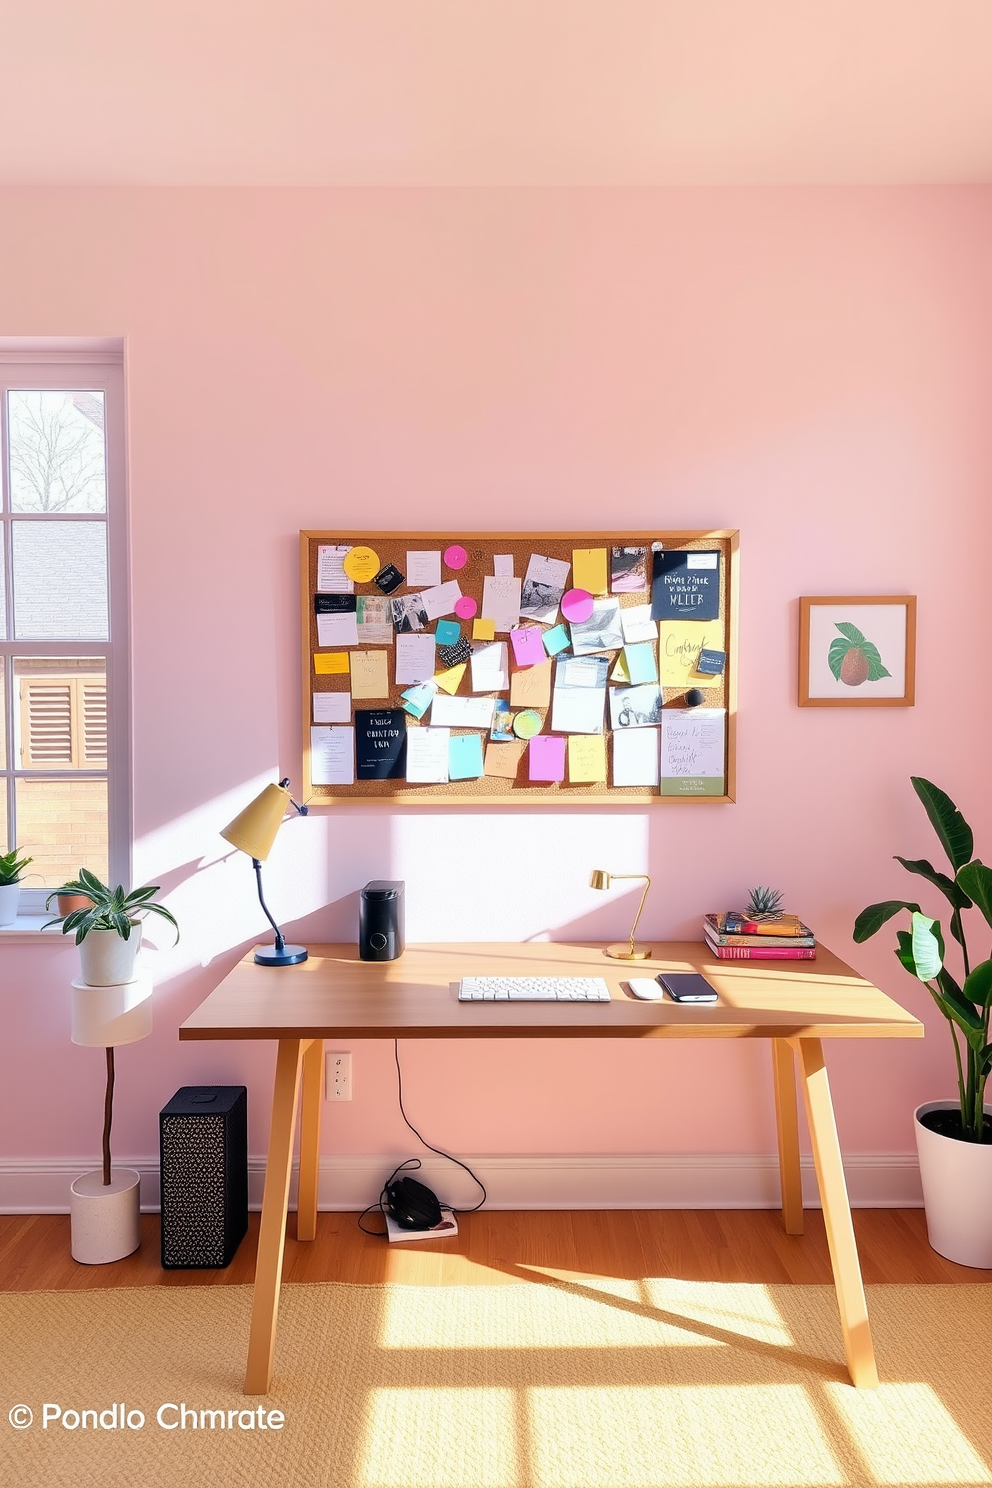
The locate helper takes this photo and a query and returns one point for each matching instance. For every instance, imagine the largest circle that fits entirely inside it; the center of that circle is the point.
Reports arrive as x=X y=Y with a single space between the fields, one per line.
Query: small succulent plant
x=852 y=659
x=763 y=903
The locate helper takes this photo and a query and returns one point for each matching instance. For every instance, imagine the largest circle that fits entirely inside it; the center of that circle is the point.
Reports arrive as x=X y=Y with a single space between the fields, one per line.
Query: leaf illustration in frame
x=851 y=631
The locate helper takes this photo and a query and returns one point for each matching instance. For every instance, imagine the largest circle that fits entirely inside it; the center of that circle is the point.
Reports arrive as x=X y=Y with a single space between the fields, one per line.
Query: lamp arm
x=280 y=939
x=303 y=810
x=647 y=885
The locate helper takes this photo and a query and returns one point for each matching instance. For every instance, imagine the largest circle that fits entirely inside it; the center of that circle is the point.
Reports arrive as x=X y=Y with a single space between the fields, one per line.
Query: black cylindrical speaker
x=381 y=920
x=203 y=1145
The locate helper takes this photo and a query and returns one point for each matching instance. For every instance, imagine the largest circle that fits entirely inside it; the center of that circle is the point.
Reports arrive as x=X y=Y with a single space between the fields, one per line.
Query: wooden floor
x=702 y=1245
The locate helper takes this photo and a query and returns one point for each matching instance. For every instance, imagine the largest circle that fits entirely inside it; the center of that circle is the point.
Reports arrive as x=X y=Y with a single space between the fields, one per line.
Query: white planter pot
x=9 y=897
x=103 y=1221
x=957 y=1191
x=105 y=1016
x=107 y=959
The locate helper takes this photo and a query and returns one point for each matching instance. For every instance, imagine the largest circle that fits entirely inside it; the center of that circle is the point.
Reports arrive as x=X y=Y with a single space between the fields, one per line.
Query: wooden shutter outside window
x=63 y=722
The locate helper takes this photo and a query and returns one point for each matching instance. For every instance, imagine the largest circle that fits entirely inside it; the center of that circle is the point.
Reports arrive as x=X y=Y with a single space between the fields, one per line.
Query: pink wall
x=812 y=367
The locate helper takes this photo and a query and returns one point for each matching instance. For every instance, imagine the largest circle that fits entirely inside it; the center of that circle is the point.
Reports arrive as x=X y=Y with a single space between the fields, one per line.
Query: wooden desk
x=794 y=1004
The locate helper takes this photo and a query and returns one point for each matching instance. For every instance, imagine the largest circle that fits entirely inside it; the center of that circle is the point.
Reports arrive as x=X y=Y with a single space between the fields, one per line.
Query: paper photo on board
x=408 y=613
x=375 y=620
x=544 y=585
x=635 y=707
x=601 y=632
x=579 y=698
x=628 y=570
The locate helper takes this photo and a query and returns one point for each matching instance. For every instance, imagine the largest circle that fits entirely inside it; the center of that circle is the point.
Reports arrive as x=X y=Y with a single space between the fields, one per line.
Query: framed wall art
x=857 y=651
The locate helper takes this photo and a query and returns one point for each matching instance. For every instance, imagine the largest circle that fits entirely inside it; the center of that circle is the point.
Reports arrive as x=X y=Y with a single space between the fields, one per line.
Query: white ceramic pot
x=104 y=1221
x=957 y=1191
x=9 y=896
x=105 y=1016
x=107 y=959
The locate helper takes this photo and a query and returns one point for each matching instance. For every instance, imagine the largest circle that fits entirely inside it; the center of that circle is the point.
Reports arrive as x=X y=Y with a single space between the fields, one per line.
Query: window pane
x=3 y=724
x=60 y=580
x=63 y=825
x=5 y=845
x=60 y=713
x=57 y=454
x=3 y=592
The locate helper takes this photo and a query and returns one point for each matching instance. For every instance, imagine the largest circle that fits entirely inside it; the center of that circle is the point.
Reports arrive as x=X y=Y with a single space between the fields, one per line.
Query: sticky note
x=586 y=757
x=361 y=564
x=681 y=643
x=464 y=756
x=484 y=630
x=466 y=607
x=556 y=640
x=546 y=757
x=640 y=662
x=620 y=672
x=576 y=604
x=455 y=556
x=447 y=632
x=370 y=674
x=531 y=686
x=503 y=760
x=450 y=680
x=326 y=666
x=528 y=646
x=590 y=570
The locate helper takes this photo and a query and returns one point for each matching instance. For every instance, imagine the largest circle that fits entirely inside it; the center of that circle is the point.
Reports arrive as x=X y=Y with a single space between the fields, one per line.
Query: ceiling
x=495 y=92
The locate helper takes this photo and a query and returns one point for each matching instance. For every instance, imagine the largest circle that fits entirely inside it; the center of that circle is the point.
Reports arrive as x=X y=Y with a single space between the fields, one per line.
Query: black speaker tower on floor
x=203 y=1145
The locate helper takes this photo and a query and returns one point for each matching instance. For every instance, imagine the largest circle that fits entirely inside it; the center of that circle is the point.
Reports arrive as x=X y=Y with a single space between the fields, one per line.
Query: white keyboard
x=533 y=989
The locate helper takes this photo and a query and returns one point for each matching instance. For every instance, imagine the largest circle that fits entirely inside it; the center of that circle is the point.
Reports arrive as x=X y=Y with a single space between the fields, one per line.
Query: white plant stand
x=104 y=1205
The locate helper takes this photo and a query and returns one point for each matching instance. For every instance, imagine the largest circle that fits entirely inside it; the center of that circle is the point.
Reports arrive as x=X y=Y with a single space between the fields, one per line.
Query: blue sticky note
x=464 y=756
x=448 y=632
x=556 y=640
x=641 y=665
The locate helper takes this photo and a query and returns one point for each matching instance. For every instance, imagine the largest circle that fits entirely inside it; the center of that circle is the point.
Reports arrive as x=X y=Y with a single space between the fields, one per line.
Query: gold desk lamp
x=601 y=880
x=253 y=831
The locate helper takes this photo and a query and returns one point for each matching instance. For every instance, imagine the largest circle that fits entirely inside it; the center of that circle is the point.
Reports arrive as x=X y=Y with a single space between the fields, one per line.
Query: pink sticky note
x=546 y=754
x=528 y=646
x=466 y=607
x=576 y=604
x=455 y=556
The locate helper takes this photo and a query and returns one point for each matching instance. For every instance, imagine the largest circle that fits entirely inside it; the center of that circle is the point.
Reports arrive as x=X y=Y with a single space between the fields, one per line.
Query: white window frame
x=95 y=367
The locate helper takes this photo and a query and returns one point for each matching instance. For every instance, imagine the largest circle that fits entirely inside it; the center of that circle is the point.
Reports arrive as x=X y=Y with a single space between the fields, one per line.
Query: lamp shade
x=599 y=879
x=253 y=830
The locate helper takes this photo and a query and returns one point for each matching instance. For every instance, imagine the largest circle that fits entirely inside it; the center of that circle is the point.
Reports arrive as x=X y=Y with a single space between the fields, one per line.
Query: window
x=64 y=787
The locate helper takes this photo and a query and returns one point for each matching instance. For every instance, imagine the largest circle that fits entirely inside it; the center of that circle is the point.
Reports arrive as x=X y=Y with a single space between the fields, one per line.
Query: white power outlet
x=337 y=1075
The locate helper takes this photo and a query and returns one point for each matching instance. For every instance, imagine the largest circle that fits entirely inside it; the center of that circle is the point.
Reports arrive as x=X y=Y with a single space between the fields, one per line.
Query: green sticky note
x=464 y=756
x=556 y=640
x=641 y=665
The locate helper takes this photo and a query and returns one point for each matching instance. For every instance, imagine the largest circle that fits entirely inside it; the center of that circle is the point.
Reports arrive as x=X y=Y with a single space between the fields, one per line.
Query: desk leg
x=787 y=1122
x=311 y=1100
x=837 y=1216
x=272 y=1233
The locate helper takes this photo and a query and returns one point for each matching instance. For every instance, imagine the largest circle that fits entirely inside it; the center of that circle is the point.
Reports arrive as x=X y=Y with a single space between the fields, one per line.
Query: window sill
x=28 y=927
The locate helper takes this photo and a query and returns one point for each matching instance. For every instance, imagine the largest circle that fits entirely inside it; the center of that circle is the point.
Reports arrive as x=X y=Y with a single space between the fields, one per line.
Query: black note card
x=334 y=604
x=388 y=578
x=380 y=744
x=685 y=585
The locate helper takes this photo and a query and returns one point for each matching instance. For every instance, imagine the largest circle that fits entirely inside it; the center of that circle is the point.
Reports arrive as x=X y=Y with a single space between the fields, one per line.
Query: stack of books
x=733 y=936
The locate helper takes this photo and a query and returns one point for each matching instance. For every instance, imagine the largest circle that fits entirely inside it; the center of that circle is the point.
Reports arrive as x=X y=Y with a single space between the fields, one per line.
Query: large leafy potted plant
x=108 y=930
x=12 y=866
x=954 y=1138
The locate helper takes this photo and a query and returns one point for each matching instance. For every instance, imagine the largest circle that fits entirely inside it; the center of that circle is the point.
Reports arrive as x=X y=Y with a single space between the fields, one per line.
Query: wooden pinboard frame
x=481 y=548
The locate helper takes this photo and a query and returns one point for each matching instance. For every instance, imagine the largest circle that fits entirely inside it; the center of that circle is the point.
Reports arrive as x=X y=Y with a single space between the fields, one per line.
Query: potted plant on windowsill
x=12 y=866
x=108 y=931
x=954 y=1138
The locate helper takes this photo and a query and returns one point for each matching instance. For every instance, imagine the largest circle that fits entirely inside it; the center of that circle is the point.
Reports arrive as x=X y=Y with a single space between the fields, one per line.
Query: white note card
x=441 y=600
x=503 y=565
x=462 y=712
x=427 y=755
x=635 y=757
x=332 y=756
x=337 y=630
x=332 y=707
x=637 y=624
x=691 y=742
x=489 y=668
x=423 y=570
x=501 y=601
x=414 y=658
x=331 y=577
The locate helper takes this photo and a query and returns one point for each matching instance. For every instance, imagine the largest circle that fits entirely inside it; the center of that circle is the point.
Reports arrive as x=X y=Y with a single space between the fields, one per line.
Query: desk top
x=417 y=997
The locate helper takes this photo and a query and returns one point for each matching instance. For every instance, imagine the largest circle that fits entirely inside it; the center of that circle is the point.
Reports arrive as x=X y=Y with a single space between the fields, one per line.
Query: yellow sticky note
x=589 y=569
x=483 y=630
x=679 y=645
x=451 y=679
x=361 y=564
x=586 y=757
x=370 y=674
x=503 y=760
x=620 y=672
x=329 y=663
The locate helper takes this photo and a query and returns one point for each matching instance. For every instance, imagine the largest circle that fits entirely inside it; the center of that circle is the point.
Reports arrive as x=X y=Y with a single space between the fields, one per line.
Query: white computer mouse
x=646 y=988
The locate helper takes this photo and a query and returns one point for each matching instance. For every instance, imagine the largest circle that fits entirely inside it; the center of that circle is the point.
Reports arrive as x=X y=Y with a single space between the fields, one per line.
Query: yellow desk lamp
x=253 y=831
x=601 y=880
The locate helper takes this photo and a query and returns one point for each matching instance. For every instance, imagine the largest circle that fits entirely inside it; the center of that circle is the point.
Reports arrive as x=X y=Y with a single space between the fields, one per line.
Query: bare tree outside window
x=57 y=451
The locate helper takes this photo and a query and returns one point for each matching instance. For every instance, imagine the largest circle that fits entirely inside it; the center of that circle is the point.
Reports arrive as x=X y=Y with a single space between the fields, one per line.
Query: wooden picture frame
x=852 y=642
x=325 y=678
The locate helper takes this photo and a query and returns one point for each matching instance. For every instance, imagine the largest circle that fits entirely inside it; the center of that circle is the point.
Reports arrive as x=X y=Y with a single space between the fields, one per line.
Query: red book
x=762 y=953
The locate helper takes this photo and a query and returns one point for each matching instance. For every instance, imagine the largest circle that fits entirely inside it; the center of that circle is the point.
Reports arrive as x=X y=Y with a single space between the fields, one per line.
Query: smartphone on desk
x=687 y=986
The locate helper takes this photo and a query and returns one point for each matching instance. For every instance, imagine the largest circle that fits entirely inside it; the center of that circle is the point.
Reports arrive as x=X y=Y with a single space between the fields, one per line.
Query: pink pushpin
x=576 y=605
x=455 y=556
x=466 y=607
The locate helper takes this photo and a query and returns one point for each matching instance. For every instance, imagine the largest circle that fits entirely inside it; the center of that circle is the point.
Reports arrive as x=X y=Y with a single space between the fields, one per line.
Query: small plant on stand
x=12 y=866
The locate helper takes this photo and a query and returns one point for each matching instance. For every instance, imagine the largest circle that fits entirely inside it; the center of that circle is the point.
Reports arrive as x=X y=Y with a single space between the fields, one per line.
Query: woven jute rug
x=555 y=1384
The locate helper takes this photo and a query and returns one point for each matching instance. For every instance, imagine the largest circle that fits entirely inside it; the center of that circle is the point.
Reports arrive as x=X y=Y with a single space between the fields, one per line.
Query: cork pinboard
x=671 y=649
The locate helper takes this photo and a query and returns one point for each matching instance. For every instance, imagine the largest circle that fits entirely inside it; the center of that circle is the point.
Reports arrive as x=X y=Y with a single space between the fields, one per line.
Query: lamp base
x=624 y=953
x=290 y=955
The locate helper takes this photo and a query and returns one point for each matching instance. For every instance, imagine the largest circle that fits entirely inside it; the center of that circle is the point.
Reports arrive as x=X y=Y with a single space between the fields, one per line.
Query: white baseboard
x=881 y=1180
